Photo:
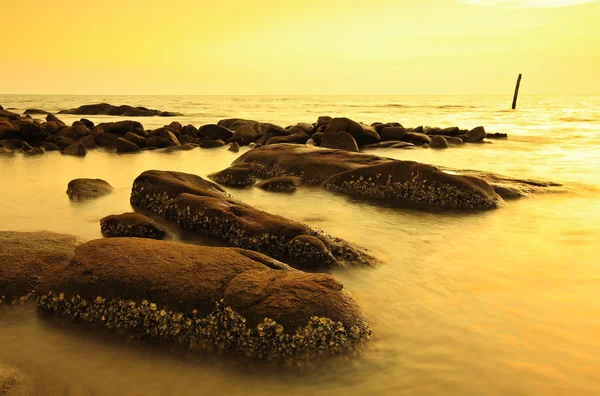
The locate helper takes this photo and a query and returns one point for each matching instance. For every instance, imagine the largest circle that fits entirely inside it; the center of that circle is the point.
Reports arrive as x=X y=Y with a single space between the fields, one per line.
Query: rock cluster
x=108 y=109
x=201 y=206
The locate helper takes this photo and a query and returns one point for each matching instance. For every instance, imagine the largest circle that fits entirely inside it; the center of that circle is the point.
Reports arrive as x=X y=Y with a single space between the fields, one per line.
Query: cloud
x=524 y=3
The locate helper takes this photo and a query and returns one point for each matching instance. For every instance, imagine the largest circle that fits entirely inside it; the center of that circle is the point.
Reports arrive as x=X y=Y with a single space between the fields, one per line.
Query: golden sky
x=299 y=47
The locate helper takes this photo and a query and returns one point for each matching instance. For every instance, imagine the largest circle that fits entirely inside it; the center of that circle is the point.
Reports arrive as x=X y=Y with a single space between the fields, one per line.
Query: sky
x=309 y=47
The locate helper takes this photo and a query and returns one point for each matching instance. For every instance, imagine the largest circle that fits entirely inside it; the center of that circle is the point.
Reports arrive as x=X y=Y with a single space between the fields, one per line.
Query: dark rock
x=450 y=131
x=263 y=139
x=438 y=142
x=416 y=138
x=48 y=146
x=323 y=121
x=24 y=256
x=35 y=111
x=363 y=134
x=235 y=176
x=183 y=147
x=454 y=141
x=190 y=130
x=131 y=224
x=418 y=129
x=392 y=133
x=297 y=134
x=281 y=184
x=378 y=126
x=124 y=111
x=77 y=149
x=339 y=140
x=32 y=132
x=214 y=132
x=244 y=135
x=218 y=298
x=388 y=144
x=125 y=146
x=309 y=251
x=176 y=126
x=140 y=132
x=135 y=138
x=82 y=189
x=208 y=144
x=107 y=140
x=26 y=146
x=162 y=138
x=496 y=135
x=185 y=139
x=318 y=137
x=35 y=151
x=64 y=142
x=53 y=118
x=8 y=130
x=89 y=124
x=51 y=127
x=10 y=115
x=234 y=147
x=6 y=151
x=475 y=135
x=273 y=130
x=122 y=127
x=11 y=144
x=89 y=142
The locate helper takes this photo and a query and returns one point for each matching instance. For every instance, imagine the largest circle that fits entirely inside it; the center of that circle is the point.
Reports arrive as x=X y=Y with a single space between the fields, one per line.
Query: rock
x=261 y=140
x=208 y=144
x=11 y=144
x=125 y=146
x=134 y=138
x=1 y=108
x=297 y=135
x=89 y=124
x=6 y=151
x=339 y=140
x=378 y=126
x=234 y=147
x=450 y=131
x=131 y=224
x=311 y=142
x=107 y=140
x=13 y=382
x=187 y=139
x=35 y=111
x=212 y=213
x=162 y=138
x=77 y=149
x=308 y=250
x=89 y=142
x=124 y=111
x=235 y=176
x=281 y=184
x=392 y=133
x=48 y=146
x=496 y=135
x=183 y=147
x=438 y=142
x=244 y=135
x=53 y=118
x=35 y=151
x=214 y=132
x=453 y=141
x=32 y=132
x=363 y=134
x=273 y=130
x=140 y=132
x=51 y=127
x=323 y=121
x=62 y=142
x=10 y=115
x=388 y=144
x=24 y=256
x=26 y=146
x=404 y=183
x=190 y=130
x=206 y=298
x=122 y=127
x=7 y=129
x=416 y=138
x=475 y=135
x=176 y=126
x=82 y=189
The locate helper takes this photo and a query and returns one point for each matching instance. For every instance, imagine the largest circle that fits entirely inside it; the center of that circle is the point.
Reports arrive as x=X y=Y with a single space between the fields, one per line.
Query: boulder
x=53 y=118
x=83 y=189
x=131 y=224
x=453 y=141
x=187 y=139
x=48 y=146
x=124 y=111
x=308 y=250
x=51 y=127
x=125 y=146
x=176 y=126
x=140 y=132
x=244 y=135
x=77 y=149
x=122 y=127
x=24 y=256
x=392 y=133
x=7 y=129
x=450 y=131
x=438 y=142
x=135 y=138
x=214 y=132
x=11 y=144
x=89 y=142
x=475 y=135
x=9 y=114
x=363 y=134
x=378 y=126
x=208 y=144
x=297 y=134
x=281 y=184
x=89 y=124
x=235 y=176
x=388 y=144
x=162 y=138
x=496 y=135
x=107 y=140
x=62 y=142
x=205 y=298
x=234 y=147
x=416 y=138
x=339 y=140
x=190 y=130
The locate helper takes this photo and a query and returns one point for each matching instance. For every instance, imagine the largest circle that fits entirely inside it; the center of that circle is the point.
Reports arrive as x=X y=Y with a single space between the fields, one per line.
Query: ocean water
x=500 y=302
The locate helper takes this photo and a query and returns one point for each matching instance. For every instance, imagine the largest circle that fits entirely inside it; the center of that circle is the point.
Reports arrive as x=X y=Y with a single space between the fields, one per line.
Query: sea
x=502 y=302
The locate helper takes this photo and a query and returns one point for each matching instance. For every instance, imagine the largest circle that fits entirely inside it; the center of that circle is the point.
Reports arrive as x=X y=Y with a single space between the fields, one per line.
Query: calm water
x=502 y=302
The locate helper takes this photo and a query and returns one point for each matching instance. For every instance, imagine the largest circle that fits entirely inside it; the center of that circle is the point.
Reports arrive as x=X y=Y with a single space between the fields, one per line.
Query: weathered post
x=514 y=105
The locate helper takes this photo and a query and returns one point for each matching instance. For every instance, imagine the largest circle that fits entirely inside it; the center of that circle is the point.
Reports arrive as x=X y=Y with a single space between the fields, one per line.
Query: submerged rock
x=76 y=149
x=82 y=189
x=475 y=135
x=199 y=207
x=131 y=224
x=124 y=111
x=24 y=256
x=281 y=184
x=205 y=298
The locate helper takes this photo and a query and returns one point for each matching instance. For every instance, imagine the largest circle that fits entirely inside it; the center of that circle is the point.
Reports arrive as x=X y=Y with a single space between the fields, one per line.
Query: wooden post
x=514 y=104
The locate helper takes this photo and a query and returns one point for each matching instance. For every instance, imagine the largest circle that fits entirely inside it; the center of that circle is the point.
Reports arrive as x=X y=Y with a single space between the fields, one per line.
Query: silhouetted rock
x=161 y=138
x=131 y=224
x=281 y=184
x=234 y=147
x=363 y=134
x=89 y=142
x=416 y=138
x=77 y=149
x=125 y=146
x=48 y=146
x=388 y=144
x=124 y=111
x=82 y=189
x=107 y=140
x=9 y=114
x=339 y=140
x=35 y=111
x=475 y=135
x=135 y=138
x=208 y=144
x=244 y=135
x=438 y=142
x=212 y=131
x=392 y=133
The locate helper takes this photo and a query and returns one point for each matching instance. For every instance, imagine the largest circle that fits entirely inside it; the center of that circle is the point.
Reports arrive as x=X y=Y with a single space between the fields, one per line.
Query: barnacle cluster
x=116 y=229
x=222 y=330
x=416 y=190
x=307 y=250
x=18 y=301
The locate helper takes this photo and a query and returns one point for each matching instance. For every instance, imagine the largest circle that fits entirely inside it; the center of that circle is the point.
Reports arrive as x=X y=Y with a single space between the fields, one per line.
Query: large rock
x=122 y=127
x=214 y=132
x=198 y=206
x=205 y=297
x=89 y=142
x=82 y=189
x=124 y=111
x=135 y=138
x=107 y=140
x=161 y=138
x=24 y=256
x=296 y=134
x=125 y=146
x=281 y=184
x=363 y=134
x=416 y=138
x=131 y=224
x=235 y=176
x=475 y=135
x=9 y=114
x=339 y=140
x=77 y=149
x=392 y=133
x=438 y=141
x=404 y=183
x=244 y=135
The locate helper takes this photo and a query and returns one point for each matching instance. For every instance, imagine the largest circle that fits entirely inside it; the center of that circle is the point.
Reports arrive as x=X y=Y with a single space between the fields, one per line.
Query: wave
x=578 y=119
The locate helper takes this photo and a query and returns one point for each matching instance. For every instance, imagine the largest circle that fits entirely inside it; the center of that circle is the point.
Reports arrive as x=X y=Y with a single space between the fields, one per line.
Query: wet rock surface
x=210 y=212
x=235 y=176
x=131 y=224
x=281 y=184
x=205 y=298
x=24 y=256
x=82 y=189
